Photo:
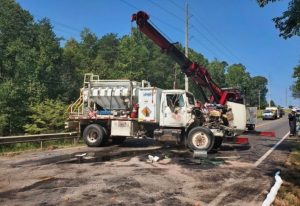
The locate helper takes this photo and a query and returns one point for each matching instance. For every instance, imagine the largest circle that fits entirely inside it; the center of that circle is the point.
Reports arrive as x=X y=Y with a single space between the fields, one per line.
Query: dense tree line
x=39 y=77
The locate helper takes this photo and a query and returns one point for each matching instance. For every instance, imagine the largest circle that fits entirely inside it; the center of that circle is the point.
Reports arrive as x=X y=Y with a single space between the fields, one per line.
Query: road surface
x=122 y=175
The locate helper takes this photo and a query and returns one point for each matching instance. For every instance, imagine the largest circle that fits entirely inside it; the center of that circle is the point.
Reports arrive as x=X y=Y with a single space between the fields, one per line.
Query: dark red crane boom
x=192 y=69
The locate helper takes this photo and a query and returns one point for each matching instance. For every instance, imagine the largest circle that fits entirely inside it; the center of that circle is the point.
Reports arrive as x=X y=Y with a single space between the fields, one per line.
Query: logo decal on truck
x=147 y=94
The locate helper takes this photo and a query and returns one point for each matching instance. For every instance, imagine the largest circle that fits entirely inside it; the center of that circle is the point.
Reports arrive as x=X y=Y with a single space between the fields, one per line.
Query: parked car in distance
x=298 y=112
x=281 y=112
x=269 y=114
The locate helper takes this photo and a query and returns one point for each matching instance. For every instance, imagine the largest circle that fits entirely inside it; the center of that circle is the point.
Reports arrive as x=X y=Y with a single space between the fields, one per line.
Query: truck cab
x=176 y=108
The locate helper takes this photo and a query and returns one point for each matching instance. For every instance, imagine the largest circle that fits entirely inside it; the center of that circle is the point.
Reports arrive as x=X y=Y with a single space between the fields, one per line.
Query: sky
x=236 y=31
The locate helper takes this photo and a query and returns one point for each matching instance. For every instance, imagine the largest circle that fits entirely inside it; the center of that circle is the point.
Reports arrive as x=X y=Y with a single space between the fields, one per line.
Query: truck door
x=173 y=110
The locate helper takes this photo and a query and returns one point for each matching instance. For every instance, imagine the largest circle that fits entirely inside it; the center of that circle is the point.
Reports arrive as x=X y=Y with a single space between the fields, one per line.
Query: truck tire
x=251 y=127
x=200 y=138
x=218 y=142
x=94 y=135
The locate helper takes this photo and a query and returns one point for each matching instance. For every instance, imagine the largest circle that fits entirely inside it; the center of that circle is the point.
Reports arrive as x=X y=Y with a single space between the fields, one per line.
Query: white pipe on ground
x=273 y=192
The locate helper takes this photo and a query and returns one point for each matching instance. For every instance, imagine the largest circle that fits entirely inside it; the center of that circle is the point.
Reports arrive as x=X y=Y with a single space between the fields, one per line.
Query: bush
x=46 y=116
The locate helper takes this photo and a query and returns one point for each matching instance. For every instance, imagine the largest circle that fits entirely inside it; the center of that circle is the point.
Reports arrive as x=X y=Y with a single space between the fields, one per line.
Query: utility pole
x=175 y=78
x=269 y=90
x=286 y=103
x=186 y=80
x=258 y=99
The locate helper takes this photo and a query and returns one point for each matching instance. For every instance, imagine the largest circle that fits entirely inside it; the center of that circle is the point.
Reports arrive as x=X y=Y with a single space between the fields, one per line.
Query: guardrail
x=38 y=138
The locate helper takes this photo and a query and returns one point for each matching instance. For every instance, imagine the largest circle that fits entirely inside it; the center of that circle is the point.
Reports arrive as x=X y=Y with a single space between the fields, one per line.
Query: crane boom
x=192 y=69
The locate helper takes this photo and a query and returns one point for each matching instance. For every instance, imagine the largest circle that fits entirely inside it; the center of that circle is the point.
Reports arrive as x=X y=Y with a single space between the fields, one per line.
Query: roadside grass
x=11 y=149
x=289 y=193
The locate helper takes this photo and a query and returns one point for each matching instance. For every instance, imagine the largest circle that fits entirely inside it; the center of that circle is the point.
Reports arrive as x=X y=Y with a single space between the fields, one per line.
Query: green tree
x=107 y=52
x=47 y=73
x=296 y=86
x=30 y=60
x=133 y=57
x=217 y=72
x=73 y=72
x=258 y=91
x=90 y=54
x=17 y=56
x=239 y=78
x=16 y=24
x=47 y=116
x=272 y=103
x=289 y=23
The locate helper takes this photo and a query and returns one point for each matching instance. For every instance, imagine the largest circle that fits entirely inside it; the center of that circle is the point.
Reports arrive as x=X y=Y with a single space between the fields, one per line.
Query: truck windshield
x=268 y=111
x=175 y=100
x=191 y=99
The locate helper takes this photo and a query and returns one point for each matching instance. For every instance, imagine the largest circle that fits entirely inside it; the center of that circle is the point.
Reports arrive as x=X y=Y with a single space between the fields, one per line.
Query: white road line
x=270 y=151
x=222 y=195
x=219 y=198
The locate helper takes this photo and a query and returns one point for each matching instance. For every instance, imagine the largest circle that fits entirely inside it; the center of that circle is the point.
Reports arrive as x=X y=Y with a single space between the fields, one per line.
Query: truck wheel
x=118 y=140
x=251 y=127
x=94 y=135
x=200 y=138
x=218 y=142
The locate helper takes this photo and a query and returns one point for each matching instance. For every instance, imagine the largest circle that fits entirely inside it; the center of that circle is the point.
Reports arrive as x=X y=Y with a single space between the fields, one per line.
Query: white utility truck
x=119 y=109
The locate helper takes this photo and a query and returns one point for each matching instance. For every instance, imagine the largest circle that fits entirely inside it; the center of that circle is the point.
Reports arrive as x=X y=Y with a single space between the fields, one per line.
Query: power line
x=170 y=25
x=175 y=28
x=167 y=11
x=224 y=47
x=202 y=34
x=155 y=17
x=215 y=37
x=59 y=23
x=197 y=30
x=129 y=4
x=181 y=8
x=181 y=31
x=221 y=43
x=205 y=47
x=212 y=43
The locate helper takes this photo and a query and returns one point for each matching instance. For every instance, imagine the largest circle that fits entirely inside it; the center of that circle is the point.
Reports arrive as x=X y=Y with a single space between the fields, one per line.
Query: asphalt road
x=122 y=175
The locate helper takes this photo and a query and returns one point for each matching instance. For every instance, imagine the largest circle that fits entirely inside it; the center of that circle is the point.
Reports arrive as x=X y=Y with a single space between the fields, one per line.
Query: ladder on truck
x=76 y=108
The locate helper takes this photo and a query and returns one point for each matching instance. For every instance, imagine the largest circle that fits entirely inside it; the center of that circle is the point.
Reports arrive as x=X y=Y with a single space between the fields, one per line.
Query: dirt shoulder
x=289 y=193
